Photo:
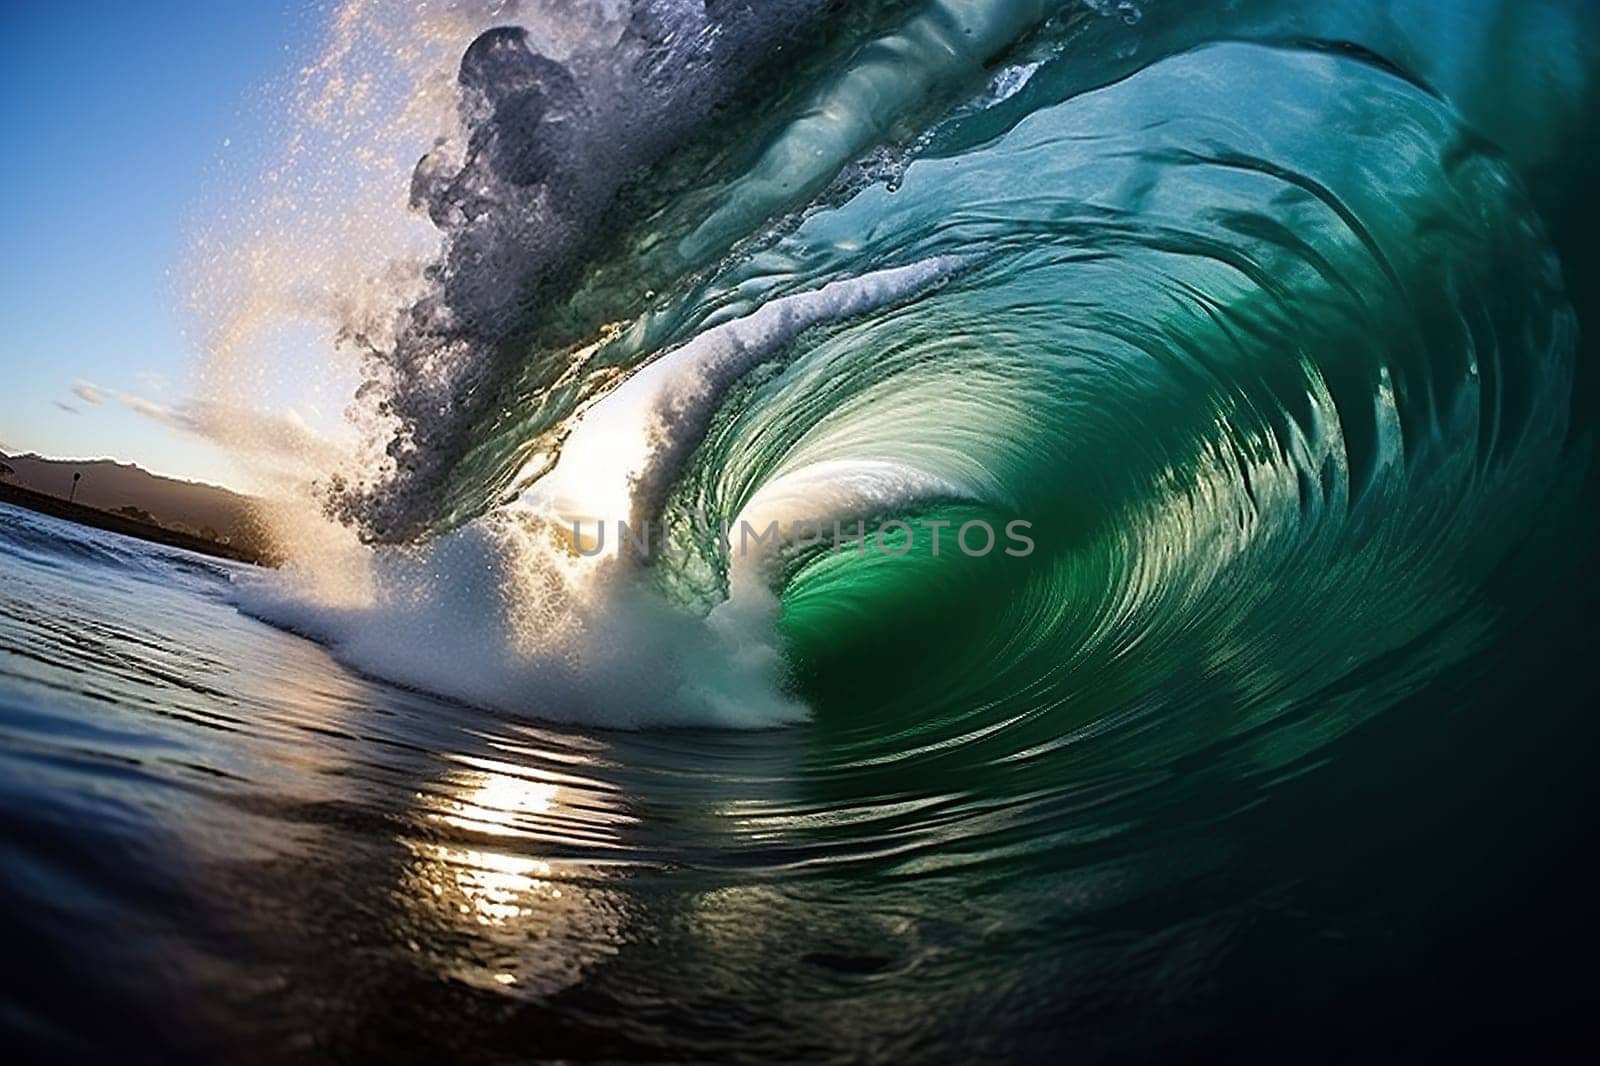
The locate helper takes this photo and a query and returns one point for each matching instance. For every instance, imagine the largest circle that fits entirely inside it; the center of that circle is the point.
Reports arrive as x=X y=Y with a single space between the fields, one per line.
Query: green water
x=1275 y=320
x=1265 y=320
x=1268 y=317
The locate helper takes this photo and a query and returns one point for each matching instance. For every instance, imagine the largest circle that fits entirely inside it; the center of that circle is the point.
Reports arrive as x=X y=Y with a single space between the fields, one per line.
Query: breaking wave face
x=1263 y=318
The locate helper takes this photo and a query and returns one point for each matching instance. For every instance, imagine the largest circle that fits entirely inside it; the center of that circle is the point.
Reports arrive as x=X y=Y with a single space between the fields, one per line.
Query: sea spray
x=505 y=613
x=1235 y=356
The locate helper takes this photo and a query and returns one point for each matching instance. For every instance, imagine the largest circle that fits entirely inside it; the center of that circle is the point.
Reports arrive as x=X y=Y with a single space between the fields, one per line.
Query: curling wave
x=1257 y=318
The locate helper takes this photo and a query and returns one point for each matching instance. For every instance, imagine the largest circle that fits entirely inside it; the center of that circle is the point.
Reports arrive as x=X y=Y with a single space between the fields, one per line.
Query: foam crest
x=501 y=614
x=504 y=613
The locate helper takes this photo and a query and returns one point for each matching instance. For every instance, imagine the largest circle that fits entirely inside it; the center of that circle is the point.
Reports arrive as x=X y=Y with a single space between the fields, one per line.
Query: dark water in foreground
x=217 y=844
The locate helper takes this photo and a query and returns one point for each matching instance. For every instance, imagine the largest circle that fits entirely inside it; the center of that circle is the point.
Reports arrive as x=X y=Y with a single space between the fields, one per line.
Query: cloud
x=156 y=411
x=283 y=444
x=281 y=440
x=89 y=392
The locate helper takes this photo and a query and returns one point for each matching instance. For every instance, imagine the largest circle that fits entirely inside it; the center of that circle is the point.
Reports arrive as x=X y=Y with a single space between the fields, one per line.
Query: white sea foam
x=499 y=614
x=439 y=158
x=503 y=613
x=704 y=368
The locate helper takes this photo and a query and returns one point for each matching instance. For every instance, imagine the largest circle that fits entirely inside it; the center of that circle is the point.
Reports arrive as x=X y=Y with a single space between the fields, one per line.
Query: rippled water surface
x=1274 y=319
x=217 y=842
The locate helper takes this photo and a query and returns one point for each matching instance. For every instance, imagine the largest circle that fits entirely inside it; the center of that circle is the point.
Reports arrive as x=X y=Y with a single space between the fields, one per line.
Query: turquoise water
x=1273 y=321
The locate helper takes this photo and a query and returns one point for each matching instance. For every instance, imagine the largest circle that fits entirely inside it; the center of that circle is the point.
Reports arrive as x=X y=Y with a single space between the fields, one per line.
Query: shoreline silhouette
x=126 y=499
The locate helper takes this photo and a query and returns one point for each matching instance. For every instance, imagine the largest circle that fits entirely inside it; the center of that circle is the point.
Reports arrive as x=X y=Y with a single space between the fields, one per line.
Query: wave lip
x=540 y=152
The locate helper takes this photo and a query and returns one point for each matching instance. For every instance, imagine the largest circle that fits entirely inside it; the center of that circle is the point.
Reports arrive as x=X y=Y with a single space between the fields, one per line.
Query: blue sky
x=122 y=122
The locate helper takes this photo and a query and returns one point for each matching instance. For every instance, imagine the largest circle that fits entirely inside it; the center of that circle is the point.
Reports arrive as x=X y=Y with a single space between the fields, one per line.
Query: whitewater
x=1271 y=320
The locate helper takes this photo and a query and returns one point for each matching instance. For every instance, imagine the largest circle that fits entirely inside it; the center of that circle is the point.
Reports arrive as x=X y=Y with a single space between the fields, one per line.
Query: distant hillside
x=188 y=506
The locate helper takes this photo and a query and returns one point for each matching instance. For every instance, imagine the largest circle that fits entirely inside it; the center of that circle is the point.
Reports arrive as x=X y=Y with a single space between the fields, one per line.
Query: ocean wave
x=1281 y=382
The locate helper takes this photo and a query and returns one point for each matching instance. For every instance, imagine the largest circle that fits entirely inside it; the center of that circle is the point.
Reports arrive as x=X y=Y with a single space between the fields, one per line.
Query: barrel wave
x=1194 y=406
x=1254 y=319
